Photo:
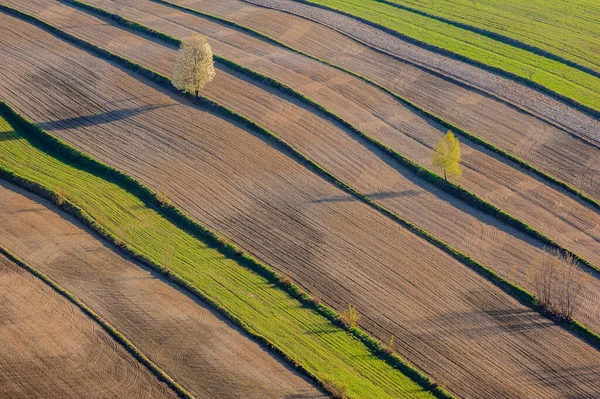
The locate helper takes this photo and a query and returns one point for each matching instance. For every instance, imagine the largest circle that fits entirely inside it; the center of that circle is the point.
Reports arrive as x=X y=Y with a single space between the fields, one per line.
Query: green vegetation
x=446 y=156
x=453 y=189
x=567 y=28
x=556 y=77
x=516 y=291
x=544 y=176
x=117 y=336
x=203 y=263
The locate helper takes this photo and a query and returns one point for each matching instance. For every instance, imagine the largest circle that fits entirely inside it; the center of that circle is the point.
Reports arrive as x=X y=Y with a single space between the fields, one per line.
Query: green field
x=569 y=29
x=556 y=76
x=308 y=338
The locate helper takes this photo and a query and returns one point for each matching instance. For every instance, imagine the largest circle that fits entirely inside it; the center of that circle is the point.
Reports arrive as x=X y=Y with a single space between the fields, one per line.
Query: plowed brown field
x=201 y=351
x=446 y=319
x=544 y=146
x=491 y=242
x=50 y=349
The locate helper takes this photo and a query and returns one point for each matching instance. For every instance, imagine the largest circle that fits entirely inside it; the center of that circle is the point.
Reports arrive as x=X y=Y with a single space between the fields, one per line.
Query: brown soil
x=53 y=350
x=446 y=319
x=493 y=243
x=555 y=152
x=206 y=354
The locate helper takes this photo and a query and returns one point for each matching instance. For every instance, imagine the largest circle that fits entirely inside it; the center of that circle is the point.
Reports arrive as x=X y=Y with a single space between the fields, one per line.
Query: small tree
x=557 y=283
x=447 y=155
x=350 y=316
x=194 y=66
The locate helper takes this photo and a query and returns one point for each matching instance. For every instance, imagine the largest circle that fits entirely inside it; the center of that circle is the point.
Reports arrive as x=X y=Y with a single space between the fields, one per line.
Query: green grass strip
x=509 y=63
x=113 y=332
x=495 y=36
x=276 y=313
x=514 y=290
x=421 y=111
x=424 y=173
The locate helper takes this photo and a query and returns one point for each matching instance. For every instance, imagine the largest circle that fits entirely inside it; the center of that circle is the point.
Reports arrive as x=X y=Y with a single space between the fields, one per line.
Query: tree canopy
x=194 y=66
x=447 y=156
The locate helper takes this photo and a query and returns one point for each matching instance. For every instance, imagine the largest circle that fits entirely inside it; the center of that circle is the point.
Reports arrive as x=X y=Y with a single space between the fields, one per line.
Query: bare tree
x=194 y=66
x=557 y=283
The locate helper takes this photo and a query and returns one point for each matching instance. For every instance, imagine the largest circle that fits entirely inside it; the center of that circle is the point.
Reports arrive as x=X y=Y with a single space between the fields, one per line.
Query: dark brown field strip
x=199 y=349
x=542 y=145
x=343 y=251
x=51 y=349
x=493 y=243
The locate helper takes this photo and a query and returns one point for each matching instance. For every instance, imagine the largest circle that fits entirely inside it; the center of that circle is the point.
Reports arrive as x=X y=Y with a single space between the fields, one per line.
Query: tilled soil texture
x=485 y=239
x=198 y=349
x=446 y=319
x=51 y=349
x=527 y=98
x=541 y=144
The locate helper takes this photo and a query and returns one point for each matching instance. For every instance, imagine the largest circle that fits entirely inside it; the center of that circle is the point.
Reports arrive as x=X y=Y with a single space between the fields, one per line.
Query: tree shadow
x=374 y=196
x=9 y=135
x=98 y=119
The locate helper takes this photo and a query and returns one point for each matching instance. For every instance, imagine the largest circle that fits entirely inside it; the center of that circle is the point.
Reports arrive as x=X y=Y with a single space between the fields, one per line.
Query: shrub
x=163 y=198
x=350 y=316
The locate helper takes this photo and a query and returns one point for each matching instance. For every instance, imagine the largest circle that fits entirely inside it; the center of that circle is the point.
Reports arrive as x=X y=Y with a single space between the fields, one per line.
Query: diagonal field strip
x=474 y=138
x=392 y=43
x=114 y=73
x=53 y=350
x=455 y=190
x=567 y=84
x=387 y=210
x=194 y=345
x=255 y=303
x=539 y=143
x=116 y=335
x=496 y=36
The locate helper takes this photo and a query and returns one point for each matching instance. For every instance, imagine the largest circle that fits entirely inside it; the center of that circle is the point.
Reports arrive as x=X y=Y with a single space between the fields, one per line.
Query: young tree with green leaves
x=194 y=66
x=447 y=156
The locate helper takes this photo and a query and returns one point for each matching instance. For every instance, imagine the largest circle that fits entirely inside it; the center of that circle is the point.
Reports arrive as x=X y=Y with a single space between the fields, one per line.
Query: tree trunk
x=196 y=93
x=445 y=178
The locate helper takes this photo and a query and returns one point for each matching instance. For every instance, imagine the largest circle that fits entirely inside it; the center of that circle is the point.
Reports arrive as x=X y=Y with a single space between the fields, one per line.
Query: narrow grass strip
x=508 y=287
x=443 y=51
x=275 y=312
x=452 y=188
x=495 y=36
x=113 y=332
x=419 y=110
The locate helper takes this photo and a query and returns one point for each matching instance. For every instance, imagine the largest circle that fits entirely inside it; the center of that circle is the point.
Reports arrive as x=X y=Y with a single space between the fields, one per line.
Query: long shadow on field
x=373 y=196
x=8 y=136
x=98 y=119
x=567 y=379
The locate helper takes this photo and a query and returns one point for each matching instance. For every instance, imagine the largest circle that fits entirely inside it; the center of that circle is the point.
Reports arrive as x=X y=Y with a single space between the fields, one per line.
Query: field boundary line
x=418 y=109
x=440 y=50
x=106 y=326
x=496 y=36
x=202 y=233
x=517 y=292
x=452 y=188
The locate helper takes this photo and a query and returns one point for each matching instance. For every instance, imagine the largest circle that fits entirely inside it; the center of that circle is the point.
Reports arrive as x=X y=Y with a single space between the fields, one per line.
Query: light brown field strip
x=50 y=349
x=447 y=320
x=195 y=347
x=527 y=98
x=487 y=240
x=526 y=137
x=551 y=211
